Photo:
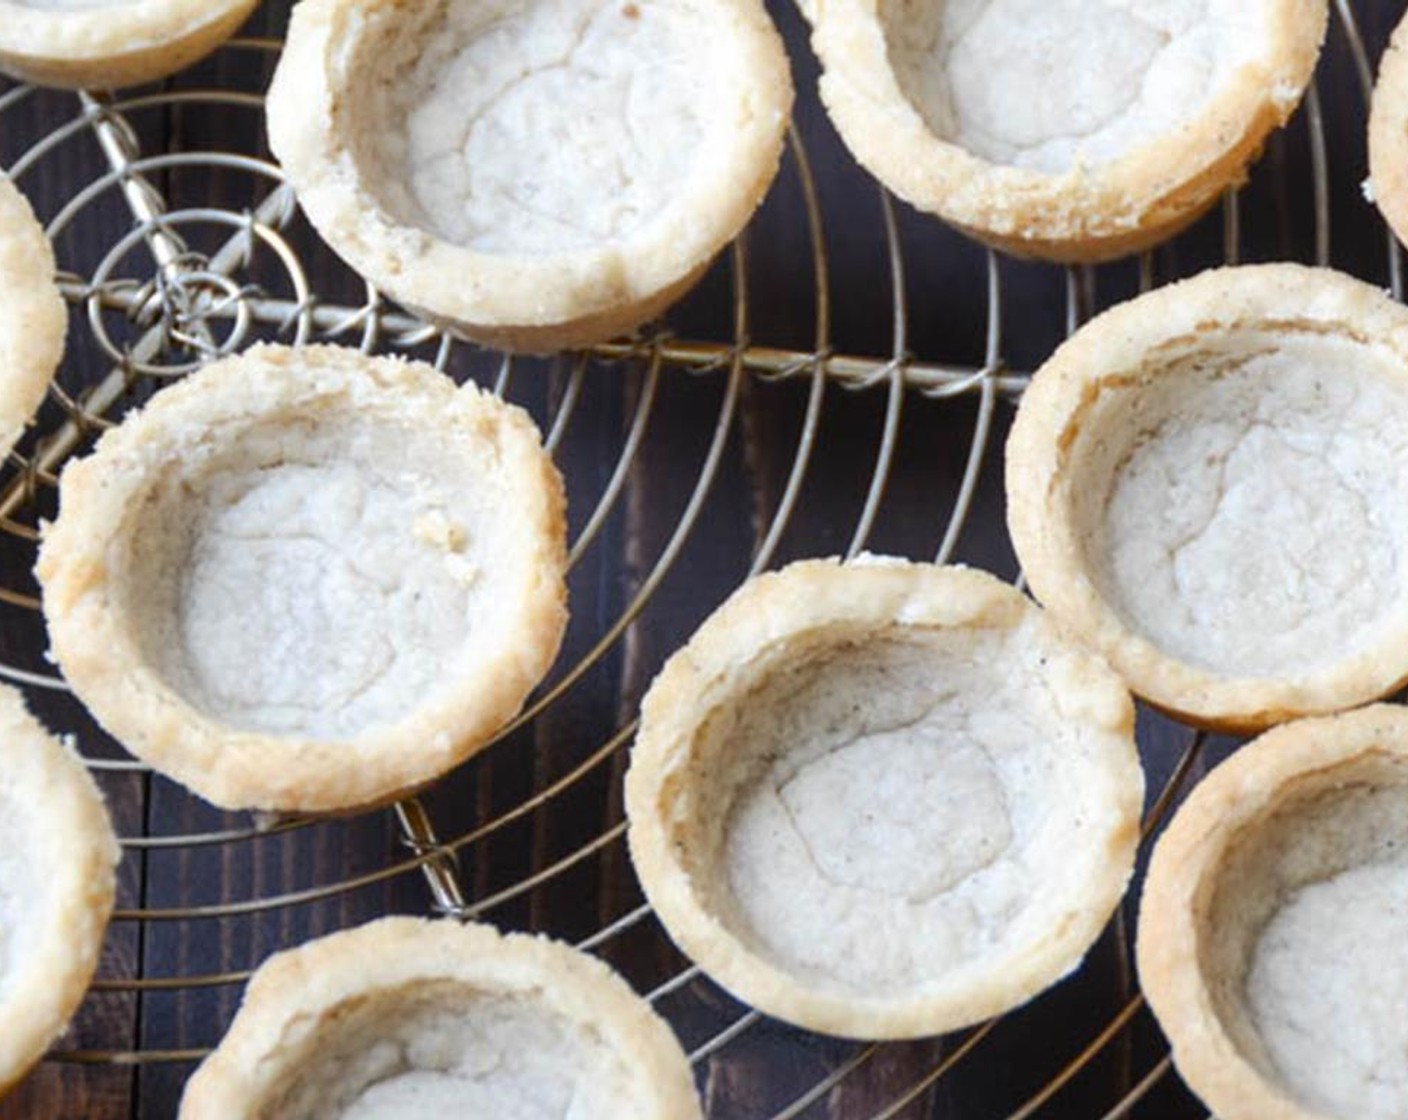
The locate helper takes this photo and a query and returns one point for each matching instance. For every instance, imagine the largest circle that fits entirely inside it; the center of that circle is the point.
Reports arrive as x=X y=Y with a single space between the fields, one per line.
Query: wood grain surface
x=645 y=582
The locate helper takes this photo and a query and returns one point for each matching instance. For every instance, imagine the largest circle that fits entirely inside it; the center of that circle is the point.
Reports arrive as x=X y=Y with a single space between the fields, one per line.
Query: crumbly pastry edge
x=295 y=991
x=235 y=769
x=523 y=302
x=770 y=611
x=1388 y=134
x=1177 y=892
x=1041 y=445
x=74 y=843
x=33 y=317
x=1137 y=201
x=101 y=49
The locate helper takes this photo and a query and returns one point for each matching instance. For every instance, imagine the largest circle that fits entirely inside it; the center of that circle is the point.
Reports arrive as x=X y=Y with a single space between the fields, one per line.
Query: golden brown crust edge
x=234 y=769
x=1039 y=495
x=584 y=330
x=520 y=302
x=1178 y=889
x=769 y=610
x=74 y=843
x=1138 y=201
x=302 y=988
x=100 y=50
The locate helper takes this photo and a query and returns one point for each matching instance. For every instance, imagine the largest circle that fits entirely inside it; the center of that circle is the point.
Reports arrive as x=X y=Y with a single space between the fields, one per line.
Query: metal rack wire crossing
x=192 y=308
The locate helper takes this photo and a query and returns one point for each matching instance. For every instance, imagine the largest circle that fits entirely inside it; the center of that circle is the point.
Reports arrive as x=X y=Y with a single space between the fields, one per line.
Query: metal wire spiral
x=180 y=285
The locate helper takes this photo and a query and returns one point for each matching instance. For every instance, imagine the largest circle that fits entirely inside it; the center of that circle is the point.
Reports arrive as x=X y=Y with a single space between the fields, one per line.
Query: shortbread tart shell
x=891 y=666
x=328 y=126
x=1325 y=361
x=307 y=579
x=1388 y=134
x=112 y=46
x=33 y=318
x=1284 y=812
x=57 y=885
x=1088 y=213
x=313 y=1016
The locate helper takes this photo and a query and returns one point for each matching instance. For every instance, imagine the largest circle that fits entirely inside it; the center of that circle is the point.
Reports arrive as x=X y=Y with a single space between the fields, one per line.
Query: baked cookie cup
x=307 y=579
x=1388 y=134
x=1062 y=129
x=1209 y=486
x=57 y=882
x=107 y=44
x=410 y=1018
x=33 y=318
x=531 y=175
x=1270 y=942
x=882 y=799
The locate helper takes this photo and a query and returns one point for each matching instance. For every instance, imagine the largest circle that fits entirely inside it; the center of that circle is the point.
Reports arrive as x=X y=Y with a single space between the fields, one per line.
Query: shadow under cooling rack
x=790 y=408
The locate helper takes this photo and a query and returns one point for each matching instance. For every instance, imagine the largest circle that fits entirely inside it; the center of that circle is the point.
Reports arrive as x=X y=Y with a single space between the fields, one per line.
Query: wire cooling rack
x=178 y=241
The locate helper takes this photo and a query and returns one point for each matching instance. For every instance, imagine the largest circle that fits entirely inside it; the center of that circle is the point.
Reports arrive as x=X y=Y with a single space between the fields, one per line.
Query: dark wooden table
x=691 y=458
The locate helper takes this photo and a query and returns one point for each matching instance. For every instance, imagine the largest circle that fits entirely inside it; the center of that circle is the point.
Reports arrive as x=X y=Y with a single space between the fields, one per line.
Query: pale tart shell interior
x=1205 y=484
x=107 y=44
x=1271 y=941
x=57 y=860
x=883 y=800
x=1063 y=129
x=307 y=579
x=534 y=175
x=403 y=1019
